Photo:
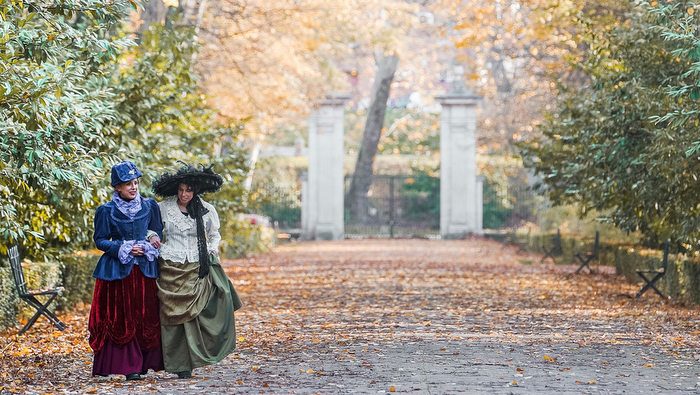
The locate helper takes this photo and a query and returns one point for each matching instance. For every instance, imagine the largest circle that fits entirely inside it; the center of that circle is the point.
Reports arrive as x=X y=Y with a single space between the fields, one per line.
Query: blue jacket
x=112 y=228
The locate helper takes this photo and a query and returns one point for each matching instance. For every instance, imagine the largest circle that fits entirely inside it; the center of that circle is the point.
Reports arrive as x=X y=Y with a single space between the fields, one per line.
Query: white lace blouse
x=179 y=242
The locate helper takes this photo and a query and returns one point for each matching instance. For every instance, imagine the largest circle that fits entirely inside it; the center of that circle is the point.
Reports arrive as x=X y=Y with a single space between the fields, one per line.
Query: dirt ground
x=421 y=316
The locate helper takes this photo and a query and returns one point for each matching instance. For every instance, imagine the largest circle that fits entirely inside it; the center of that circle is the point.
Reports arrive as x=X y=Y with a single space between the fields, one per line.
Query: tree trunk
x=362 y=178
x=154 y=11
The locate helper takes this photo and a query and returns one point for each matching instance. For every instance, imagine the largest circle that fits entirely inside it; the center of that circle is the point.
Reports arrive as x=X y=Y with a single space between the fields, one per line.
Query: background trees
x=624 y=143
x=56 y=109
x=77 y=96
x=82 y=86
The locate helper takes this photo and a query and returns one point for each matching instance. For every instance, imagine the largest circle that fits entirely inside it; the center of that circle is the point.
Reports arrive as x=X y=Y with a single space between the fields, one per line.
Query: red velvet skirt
x=125 y=311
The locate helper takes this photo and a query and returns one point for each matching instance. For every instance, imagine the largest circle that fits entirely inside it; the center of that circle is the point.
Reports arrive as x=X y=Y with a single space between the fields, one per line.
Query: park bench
x=554 y=248
x=31 y=296
x=585 y=258
x=658 y=274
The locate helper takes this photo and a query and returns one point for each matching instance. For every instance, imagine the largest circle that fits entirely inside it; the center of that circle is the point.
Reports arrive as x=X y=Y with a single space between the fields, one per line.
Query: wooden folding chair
x=30 y=296
x=554 y=248
x=586 y=257
x=658 y=274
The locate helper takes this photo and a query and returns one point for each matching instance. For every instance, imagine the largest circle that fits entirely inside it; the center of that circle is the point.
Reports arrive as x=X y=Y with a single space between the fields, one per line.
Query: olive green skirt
x=196 y=315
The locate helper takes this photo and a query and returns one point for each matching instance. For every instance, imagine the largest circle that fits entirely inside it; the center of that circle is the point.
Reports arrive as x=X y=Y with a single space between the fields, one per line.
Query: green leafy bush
x=623 y=144
x=56 y=112
x=76 y=278
x=8 y=298
x=240 y=237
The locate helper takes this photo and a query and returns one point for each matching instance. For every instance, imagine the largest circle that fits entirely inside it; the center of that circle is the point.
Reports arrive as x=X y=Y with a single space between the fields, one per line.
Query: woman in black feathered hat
x=191 y=279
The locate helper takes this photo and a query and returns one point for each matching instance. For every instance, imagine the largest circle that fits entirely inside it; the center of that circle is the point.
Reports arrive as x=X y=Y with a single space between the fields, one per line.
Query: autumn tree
x=55 y=108
x=362 y=176
x=78 y=95
x=625 y=143
x=164 y=116
x=515 y=52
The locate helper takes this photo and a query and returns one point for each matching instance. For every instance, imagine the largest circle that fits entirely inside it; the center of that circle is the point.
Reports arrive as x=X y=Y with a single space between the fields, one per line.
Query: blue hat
x=124 y=172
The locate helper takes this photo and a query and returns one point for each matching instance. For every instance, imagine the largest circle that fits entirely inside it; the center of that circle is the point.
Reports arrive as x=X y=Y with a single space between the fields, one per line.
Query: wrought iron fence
x=509 y=205
x=398 y=206
x=281 y=202
x=403 y=206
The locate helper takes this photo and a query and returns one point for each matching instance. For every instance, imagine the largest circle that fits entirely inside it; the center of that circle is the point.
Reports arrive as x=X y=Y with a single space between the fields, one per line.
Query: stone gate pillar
x=461 y=208
x=323 y=203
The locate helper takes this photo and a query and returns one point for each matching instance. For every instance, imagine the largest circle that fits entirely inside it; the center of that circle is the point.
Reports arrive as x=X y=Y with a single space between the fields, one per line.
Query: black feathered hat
x=202 y=180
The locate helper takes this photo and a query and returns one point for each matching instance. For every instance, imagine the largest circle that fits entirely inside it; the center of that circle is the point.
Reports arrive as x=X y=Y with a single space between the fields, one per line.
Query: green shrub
x=240 y=237
x=76 y=274
x=681 y=282
x=8 y=297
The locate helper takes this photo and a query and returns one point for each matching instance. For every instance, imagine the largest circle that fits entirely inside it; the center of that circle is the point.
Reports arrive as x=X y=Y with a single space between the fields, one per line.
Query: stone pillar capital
x=334 y=99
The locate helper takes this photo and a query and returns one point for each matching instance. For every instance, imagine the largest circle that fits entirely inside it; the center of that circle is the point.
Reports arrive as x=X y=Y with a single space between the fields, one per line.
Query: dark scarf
x=196 y=210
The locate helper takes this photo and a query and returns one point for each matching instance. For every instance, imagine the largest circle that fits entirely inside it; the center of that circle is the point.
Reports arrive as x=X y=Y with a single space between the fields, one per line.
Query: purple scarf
x=128 y=207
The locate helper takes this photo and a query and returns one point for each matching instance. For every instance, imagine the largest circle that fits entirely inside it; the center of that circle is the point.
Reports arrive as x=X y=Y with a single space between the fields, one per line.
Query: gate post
x=324 y=200
x=460 y=195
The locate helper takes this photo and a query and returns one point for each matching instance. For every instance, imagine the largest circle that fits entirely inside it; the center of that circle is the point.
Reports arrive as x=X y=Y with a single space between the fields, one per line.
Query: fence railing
x=404 y=206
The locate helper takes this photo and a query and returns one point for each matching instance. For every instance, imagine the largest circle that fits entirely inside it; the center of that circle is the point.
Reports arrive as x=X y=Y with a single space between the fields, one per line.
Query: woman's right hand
x=137 y=250
x=155 y=241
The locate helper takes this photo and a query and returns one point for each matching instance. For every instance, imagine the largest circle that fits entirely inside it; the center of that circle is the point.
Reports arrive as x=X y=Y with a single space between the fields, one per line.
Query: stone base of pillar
x=323 y=233
x=460 y=232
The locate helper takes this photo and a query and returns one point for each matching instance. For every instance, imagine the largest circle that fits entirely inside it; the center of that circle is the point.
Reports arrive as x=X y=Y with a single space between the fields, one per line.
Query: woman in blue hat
x=124 y=322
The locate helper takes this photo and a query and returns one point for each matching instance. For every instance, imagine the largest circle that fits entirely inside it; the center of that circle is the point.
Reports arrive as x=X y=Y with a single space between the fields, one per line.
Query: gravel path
x=438 y=317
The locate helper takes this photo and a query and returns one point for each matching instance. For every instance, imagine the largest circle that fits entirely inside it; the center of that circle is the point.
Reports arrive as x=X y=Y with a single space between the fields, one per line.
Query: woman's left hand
x=155 y=241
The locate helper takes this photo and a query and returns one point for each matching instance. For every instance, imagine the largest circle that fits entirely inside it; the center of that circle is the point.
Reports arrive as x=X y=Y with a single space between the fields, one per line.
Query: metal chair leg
x=584 y=263
x=42 y=309
x=650 y=283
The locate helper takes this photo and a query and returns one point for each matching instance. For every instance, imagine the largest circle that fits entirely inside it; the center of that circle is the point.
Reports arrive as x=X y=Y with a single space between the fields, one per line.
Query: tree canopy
x=79 y=94
x=625 y=142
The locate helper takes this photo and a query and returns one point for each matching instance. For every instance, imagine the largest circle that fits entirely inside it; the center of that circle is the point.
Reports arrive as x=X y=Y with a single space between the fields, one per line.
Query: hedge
x=681 y=282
